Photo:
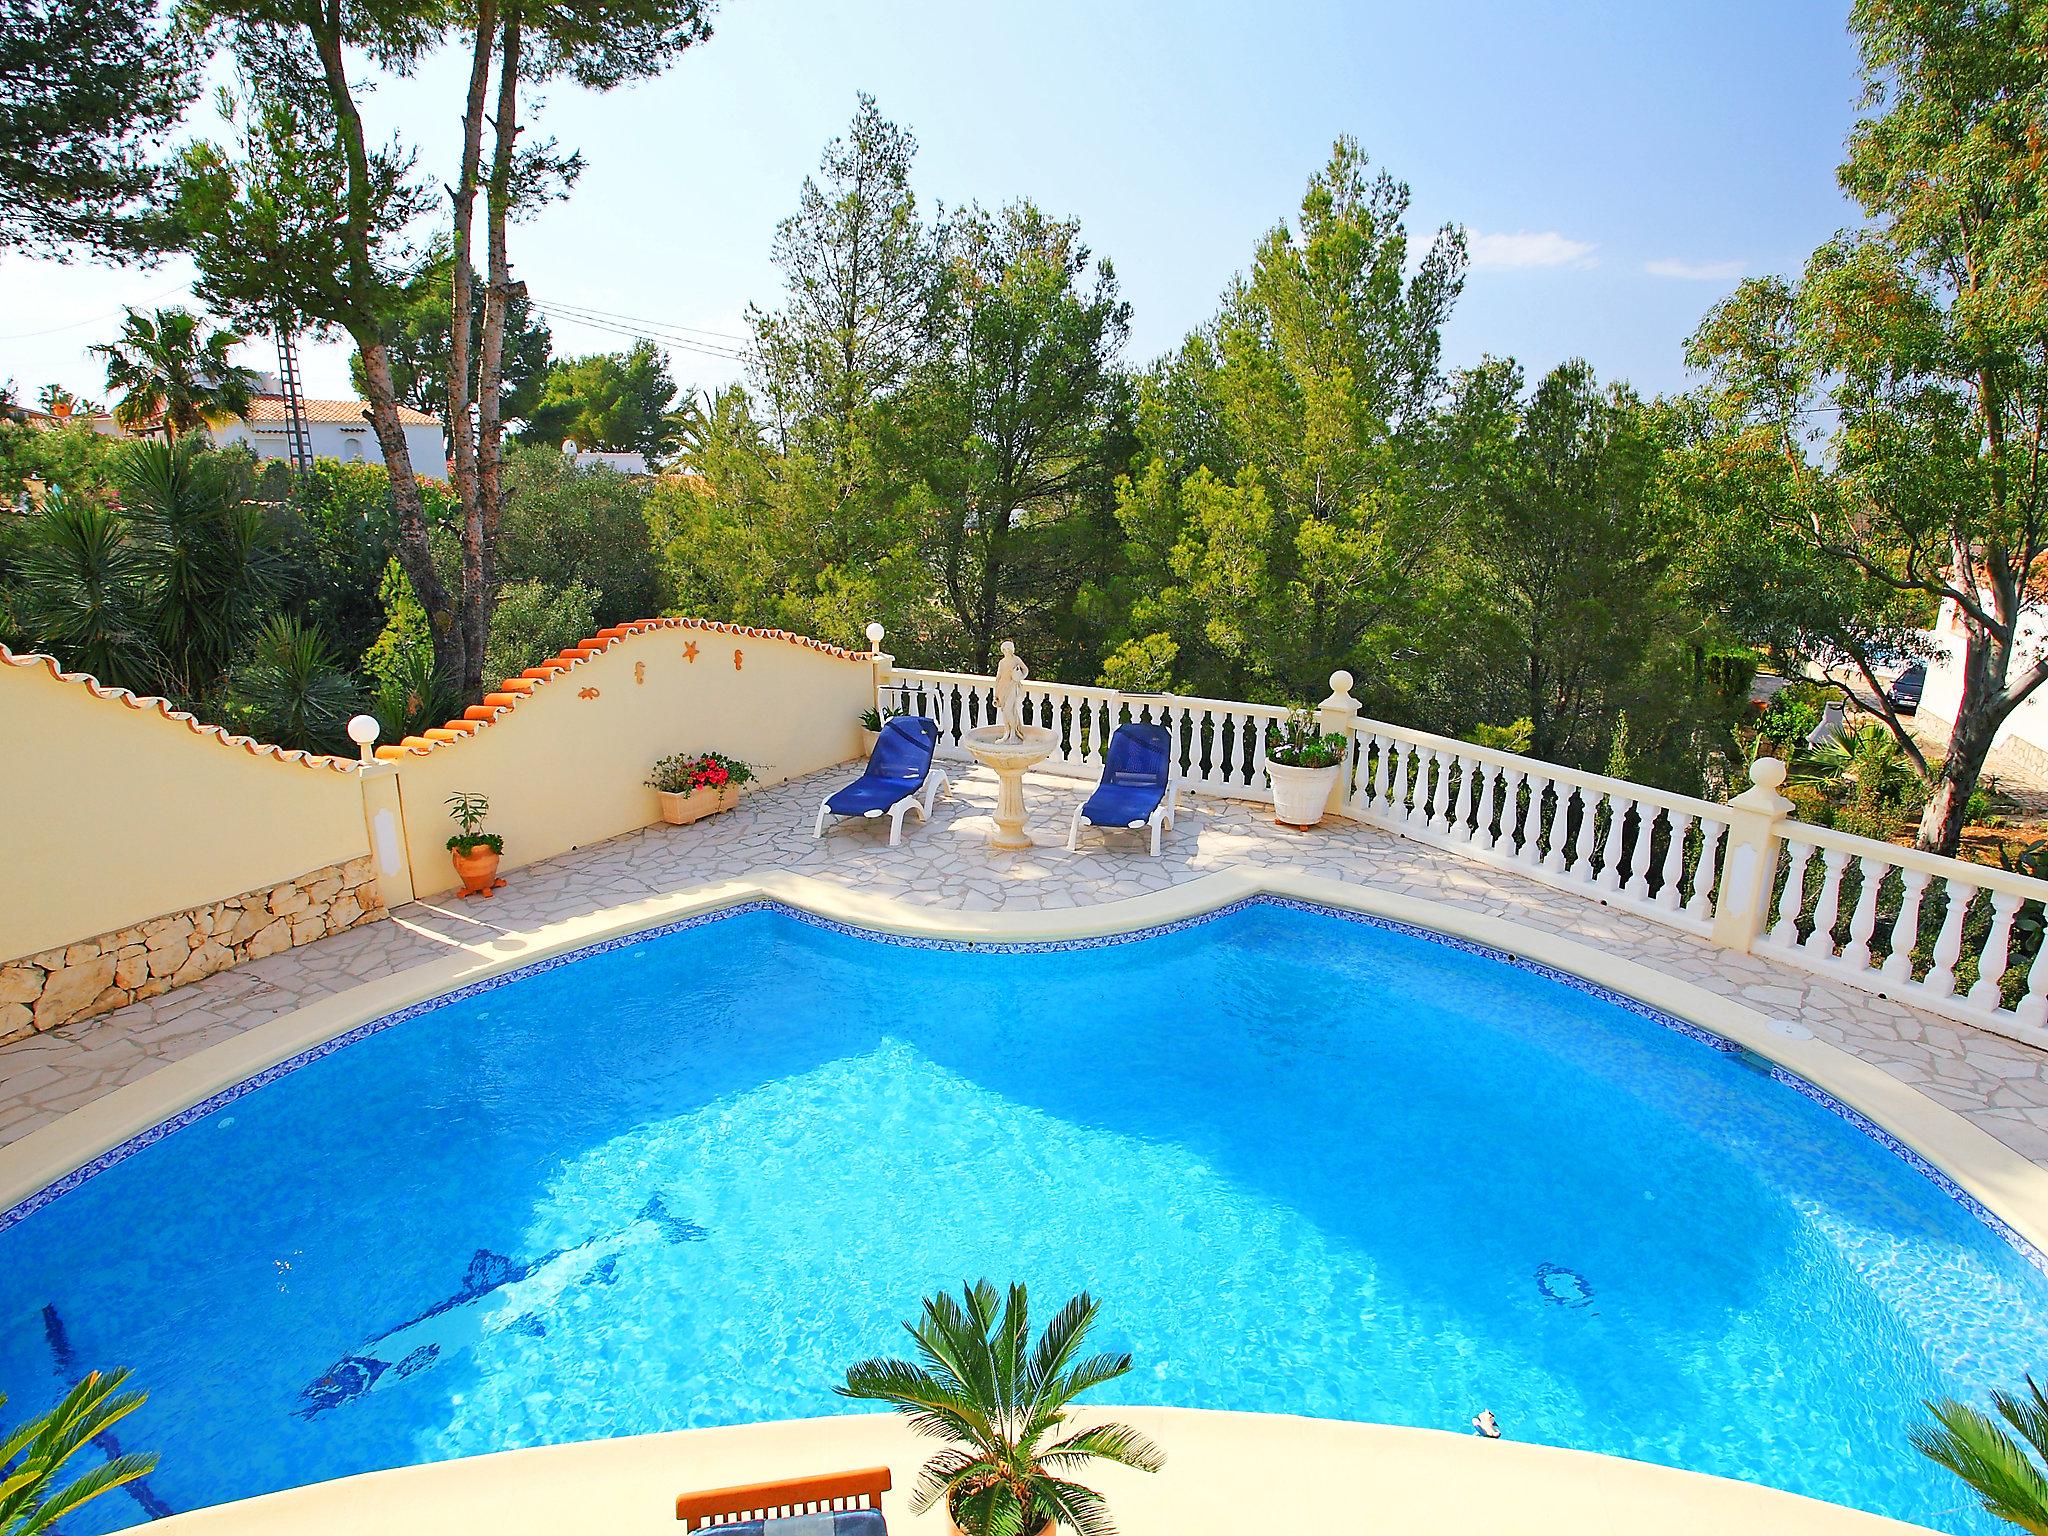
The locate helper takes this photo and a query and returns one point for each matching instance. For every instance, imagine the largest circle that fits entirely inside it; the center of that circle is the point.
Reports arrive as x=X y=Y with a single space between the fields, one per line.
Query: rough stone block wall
x=56 y=986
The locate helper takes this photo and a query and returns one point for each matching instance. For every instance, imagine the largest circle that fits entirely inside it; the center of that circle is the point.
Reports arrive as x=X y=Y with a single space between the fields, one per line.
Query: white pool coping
x=1231 y=1474
x=1256 y=1457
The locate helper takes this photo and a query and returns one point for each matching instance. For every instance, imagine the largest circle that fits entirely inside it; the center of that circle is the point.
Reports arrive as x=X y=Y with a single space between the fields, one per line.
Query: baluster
x=1384 y=777
x=1821 y=941
x=1511 y=813
x=1672 y=876
x=1609 y=877
x=1898 y=965
x=1445 y=819
x=1560 y=819
x=1472 y=824
x=1427 y=788
x=1494 y=780
x=1786 y=930
x=1644 y=848
x=1863 y=921
x=1987 y=993
x=1706 y=871
x=1948 y=945
x=2033 y=1008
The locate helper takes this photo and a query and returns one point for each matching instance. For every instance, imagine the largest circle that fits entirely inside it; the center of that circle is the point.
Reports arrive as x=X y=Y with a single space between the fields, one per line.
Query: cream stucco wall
x=115 y=811
x=567 y=766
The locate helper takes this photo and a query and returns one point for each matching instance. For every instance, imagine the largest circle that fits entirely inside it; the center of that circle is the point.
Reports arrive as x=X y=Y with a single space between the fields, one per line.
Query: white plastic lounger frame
x=1160 y=819
x=919 y=800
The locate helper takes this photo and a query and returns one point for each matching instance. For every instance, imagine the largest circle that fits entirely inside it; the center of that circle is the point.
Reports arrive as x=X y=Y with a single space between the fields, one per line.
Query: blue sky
x=1618 y=165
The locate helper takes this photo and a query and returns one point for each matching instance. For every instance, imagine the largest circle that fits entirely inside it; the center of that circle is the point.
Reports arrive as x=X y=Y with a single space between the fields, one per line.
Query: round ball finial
x=874 y=635
x=1767 y=772
x=1340 y=681
x=363 y=730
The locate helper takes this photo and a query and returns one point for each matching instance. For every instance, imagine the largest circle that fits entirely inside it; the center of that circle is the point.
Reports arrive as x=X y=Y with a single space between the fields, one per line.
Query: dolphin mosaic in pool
x=461 y=1320
x=1270 y=1140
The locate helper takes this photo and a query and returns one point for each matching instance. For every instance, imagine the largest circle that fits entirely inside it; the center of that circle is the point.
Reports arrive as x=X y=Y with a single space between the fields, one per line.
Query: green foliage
x=618 y=401
x=70 y=458
x=172 y=375
x=1788 y=719
x=1504 y=738
x=88 y=91
x=533 y=621
x=982 y=1385
x=1282 y=502
x=343 y=529
x=2000 y=1462
x=565 y=524
x=162 y=595
x=420 y=337
x=33 y=1455
x=289 y=690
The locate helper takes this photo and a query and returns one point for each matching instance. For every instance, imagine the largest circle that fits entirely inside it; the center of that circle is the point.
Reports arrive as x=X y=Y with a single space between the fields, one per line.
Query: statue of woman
x=1009 y=690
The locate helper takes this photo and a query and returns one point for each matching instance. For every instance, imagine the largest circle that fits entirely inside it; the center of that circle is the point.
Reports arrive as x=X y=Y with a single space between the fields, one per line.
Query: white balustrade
x=1627 y=845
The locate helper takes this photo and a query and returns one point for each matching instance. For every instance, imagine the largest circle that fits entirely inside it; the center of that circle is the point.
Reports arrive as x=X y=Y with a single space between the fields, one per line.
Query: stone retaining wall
x=56 y=986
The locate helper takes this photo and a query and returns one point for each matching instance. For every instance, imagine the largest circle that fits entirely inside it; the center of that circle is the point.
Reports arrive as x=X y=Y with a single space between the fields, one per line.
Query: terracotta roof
x=508 y=693
x=270 y=408
x=164 y=707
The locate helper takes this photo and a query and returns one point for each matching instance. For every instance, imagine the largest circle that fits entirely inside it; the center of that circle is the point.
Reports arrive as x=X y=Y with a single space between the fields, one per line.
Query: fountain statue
x=1010 y=747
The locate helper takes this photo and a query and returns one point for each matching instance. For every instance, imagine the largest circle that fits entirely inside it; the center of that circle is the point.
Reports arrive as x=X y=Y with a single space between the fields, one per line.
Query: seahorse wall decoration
x=640 y=672
x=738 y=659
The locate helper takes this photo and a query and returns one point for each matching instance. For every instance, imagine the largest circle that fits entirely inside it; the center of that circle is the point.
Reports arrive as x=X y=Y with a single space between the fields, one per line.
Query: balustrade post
x=1338 y=716
x=1749 y=857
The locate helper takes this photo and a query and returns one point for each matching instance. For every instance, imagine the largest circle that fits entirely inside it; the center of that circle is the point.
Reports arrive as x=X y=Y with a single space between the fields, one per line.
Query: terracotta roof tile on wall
x=508 y=693
x=164 y=707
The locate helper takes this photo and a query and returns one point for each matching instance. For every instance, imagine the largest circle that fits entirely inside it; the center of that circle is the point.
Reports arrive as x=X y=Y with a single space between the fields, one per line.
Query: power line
x=572 y=316
x=665 y=325
x=74 y=325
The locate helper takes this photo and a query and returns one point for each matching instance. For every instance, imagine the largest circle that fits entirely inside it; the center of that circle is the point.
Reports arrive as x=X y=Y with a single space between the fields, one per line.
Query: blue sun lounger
x=1138 y=788
x=899 y=777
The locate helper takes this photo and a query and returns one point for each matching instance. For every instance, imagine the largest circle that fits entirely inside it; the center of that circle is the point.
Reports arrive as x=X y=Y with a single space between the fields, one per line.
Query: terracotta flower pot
x=477 y=870
x=955 y=1527
x=679 y=809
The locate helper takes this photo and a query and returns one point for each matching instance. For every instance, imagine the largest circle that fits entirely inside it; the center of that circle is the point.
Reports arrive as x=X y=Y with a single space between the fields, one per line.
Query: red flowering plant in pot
x=692 y=786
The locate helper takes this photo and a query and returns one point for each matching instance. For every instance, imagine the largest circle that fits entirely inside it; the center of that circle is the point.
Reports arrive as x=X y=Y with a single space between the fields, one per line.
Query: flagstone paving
x=1999 y=1084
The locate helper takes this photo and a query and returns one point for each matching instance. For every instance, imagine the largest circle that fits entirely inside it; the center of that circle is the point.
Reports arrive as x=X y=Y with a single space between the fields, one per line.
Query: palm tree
x=172 y=374
x=291 y=692
x=32 y=1456
x=985 y=1387
x=77 y=592
x=1979 y=1450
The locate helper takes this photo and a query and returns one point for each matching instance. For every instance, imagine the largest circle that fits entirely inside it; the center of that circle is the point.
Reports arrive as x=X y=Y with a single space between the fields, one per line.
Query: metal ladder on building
x=298 y=441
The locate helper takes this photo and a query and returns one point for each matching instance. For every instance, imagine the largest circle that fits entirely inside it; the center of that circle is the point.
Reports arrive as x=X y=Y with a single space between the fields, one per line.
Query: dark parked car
x=1905 y=689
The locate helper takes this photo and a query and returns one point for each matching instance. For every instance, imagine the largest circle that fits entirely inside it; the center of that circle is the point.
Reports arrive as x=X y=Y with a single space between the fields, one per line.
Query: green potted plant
x=872 y=721
x=476 y=851
x=1302 y=764
x=691 y=786
x=33 y=1454
x=1999 y=1462
x=998 y=1399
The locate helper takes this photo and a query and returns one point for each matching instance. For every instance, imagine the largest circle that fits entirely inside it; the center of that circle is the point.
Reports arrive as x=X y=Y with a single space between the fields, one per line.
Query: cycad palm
x=1984 y=1454
x=32 y=1456
x=983 y=1385
x=171 y=374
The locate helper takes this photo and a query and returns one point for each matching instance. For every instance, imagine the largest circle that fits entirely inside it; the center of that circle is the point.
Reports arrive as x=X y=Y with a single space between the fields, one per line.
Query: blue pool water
x=1310 y=1164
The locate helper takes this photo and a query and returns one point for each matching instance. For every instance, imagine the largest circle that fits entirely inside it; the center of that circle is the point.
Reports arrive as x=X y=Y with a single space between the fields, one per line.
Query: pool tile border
x=215 y=1102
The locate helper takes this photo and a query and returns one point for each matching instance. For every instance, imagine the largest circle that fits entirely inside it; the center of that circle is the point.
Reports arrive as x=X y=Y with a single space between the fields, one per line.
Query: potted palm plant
x=33 y=1454
x=1302 y=764
x=998 y=1399
x=692 y=786
x=1991 y=1458
x=476 y=851
x=872 y=721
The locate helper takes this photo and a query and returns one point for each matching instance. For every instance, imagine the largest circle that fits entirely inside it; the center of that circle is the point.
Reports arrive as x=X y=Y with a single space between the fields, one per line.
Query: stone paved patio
x=2000 y=1085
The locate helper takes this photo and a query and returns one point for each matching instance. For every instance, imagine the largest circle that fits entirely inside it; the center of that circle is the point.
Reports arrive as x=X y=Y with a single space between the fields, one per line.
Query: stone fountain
x=1011 y=748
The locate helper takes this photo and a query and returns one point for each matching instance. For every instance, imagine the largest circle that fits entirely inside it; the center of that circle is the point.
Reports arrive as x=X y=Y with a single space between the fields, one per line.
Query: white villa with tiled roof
x=337 y=429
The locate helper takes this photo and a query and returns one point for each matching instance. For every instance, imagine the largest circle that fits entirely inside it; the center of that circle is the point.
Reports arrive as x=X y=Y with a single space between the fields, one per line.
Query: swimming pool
x=1310 y=1162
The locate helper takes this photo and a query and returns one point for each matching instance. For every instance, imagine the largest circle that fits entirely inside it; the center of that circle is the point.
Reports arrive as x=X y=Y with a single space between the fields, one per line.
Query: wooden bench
x=826 y=1493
